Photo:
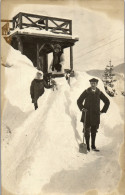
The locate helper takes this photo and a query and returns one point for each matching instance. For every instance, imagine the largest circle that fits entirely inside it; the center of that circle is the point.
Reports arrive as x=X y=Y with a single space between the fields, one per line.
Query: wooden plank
x=47 y=24
x=70 y=27
x=13 y=24
x=58 y=26
x=43 y=27
x=17 y=25
x=59 y=29
x=48 y=37
x=45 y=17
x=33 y=22
x=42 y=46
x=3 y=20
x=20 y=44
x=33 y=25
x=16 y=16
x=38 y=65
x=71 y=57
x=46 y=64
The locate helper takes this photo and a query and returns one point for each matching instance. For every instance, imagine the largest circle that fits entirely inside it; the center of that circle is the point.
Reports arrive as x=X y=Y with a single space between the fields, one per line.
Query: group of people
x=88 y=103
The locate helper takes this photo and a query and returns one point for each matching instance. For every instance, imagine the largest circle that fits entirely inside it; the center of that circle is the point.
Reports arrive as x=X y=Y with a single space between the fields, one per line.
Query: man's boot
x=93 y=136
x=87 y=142
x=35 y=105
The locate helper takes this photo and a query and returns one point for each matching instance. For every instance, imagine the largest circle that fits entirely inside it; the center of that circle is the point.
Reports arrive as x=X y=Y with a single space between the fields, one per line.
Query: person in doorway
x=57 y=64
x=91 y=98
x=37 y=88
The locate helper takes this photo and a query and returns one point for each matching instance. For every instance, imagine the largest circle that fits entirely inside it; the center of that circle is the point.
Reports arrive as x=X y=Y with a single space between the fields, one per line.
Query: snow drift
x=19 y=74
x=45 y=145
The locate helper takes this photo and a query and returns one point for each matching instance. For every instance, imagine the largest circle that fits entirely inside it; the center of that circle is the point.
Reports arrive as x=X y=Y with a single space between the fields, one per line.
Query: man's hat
x=94 y=80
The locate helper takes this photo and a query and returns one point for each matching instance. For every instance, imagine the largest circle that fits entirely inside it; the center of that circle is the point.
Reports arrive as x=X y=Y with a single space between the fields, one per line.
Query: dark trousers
x=35 y=105
x=90 y=130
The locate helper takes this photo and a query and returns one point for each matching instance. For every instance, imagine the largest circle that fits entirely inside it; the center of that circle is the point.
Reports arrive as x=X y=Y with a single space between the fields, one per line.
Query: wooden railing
x=56 y=25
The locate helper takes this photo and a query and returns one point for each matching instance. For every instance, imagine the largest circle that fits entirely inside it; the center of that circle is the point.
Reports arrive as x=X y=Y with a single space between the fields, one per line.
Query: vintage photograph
x=62 y=97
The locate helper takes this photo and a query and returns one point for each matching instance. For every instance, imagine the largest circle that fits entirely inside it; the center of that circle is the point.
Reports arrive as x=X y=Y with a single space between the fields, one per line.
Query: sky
x=99 y=26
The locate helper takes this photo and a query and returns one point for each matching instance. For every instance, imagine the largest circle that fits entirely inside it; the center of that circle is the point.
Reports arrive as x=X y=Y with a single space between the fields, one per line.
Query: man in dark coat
x=91 y=98
x=37 y=88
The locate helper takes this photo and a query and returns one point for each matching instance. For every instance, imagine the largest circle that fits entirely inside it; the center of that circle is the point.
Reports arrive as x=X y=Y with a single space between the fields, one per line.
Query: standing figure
x=37 y=88
x=57 y=64
x=91 y=98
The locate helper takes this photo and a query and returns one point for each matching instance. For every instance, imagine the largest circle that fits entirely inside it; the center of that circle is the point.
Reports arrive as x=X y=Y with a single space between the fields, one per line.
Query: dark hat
x=94 y=80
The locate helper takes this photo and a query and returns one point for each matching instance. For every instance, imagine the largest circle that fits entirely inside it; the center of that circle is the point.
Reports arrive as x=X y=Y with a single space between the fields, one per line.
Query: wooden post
x=45 y=65
x=46 y=24
x=46 y=62
x=20 y=20
x=70 y=28
x=71 y=58
x=20 y=44
x=13 y=24
x=38 y=65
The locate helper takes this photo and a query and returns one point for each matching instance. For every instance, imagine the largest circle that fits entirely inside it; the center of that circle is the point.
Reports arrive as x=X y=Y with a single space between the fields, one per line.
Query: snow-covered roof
x=35 y=31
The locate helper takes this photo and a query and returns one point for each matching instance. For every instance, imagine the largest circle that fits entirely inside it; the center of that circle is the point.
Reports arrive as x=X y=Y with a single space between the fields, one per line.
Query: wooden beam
x=20 y=44
x=43 y=27
x=33 y=25
x=38 y=65
x=6 y=20
x=47 y=24
x=42 y=46
x=58 y=26
x=14 y=24
x=71 y=57
x=20 y=20
x=46 y=63
x=70 y=27
x=45 y=17
x=33 y=22
x=16 y=16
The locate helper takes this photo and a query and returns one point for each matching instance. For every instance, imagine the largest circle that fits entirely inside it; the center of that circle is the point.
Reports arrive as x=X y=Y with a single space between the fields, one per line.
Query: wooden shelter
x=36 y=36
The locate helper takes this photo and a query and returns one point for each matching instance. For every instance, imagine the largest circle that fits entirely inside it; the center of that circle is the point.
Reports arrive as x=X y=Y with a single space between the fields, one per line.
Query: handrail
x=56 y=25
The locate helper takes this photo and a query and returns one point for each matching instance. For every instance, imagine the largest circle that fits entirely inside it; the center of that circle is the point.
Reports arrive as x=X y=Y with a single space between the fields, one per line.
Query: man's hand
x=84 y=109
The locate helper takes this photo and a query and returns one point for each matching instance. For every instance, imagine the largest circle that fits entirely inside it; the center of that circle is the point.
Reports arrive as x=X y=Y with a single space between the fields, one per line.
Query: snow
x=32 y=30
x=41 y=154
x=19 y=79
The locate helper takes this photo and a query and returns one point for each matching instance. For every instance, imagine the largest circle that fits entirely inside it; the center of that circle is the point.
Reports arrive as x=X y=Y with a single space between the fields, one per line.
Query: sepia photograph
x=62 y=97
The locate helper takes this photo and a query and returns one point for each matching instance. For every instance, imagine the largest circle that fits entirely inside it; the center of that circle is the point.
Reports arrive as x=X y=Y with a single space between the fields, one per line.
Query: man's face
x=39 y=76
x=93 y=85
x=56 y=50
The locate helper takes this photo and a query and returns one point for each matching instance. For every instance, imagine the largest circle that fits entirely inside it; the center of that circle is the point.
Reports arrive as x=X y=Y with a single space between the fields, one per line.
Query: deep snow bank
x=47 y=141
x=19 y=74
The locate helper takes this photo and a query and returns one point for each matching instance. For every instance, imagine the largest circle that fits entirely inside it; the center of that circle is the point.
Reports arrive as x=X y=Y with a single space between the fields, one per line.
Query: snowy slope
x=41 y=154
x=119 y=76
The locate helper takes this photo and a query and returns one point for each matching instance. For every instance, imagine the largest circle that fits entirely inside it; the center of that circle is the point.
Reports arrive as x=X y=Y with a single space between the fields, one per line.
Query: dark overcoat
x=91 y=102
x=36 y=89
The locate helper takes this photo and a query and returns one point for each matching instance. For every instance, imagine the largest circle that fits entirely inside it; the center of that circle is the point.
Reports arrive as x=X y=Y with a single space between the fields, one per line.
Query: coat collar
x=90 y=90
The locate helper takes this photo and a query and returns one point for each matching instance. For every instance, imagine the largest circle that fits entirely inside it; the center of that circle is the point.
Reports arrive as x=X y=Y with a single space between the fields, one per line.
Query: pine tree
x=108 y=78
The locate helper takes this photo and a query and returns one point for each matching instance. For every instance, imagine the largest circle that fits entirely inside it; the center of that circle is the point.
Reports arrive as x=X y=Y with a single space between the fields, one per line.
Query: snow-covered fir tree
x=109 y=79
